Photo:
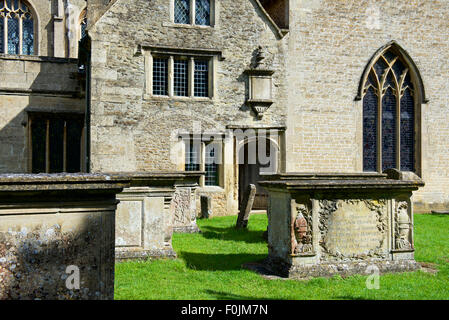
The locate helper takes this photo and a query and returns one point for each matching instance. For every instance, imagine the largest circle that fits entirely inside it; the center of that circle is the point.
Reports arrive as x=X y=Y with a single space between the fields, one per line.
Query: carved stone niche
x=302 y=230
x=260 y=96
x=403 y=226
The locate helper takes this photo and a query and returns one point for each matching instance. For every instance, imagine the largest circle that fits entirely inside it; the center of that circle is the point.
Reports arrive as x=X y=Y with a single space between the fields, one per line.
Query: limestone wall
x=330 y=44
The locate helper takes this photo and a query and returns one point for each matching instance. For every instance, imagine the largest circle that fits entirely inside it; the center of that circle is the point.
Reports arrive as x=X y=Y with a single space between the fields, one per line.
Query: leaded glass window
x=202 y=12
x=182 y=11
x=180 y=77
x=17 y=26
x=201 y=78
x=389 y=114
x=160 y=76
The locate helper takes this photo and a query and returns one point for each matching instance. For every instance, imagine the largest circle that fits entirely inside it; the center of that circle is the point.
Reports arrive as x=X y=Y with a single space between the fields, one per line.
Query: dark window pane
x=182 y=11
x=13 y=34
x=370 y=118
x=398 y=68
x=380 y=67
x=28 y=37
x=193 y=156
x=56 y=145
x=181 y=77
x=407 y=132
x=202 y=12
x=2 y=22
x=211 y=166
x=388 y=130
x=38 y=138
x=160 y=77
x=201 y=78
x=74 y=133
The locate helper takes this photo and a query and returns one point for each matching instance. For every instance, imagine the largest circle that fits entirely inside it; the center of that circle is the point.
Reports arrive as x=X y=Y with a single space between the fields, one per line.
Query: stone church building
x=232 y=88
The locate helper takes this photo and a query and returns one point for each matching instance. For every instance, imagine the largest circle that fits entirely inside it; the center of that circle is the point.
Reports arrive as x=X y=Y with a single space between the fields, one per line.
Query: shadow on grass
x=217 y=262
x=232 y=234
x=230 y=296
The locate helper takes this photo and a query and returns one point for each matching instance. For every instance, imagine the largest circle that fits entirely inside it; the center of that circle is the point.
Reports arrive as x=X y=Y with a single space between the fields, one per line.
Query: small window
x=193 y=12
x=16 y=28
x=56 y=143
x=211 y=152
x=180 y=76
x=201 y=78
x=160 y=76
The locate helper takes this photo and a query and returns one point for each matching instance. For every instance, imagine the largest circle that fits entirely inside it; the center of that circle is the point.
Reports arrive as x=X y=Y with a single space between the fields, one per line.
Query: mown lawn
x=209 y=267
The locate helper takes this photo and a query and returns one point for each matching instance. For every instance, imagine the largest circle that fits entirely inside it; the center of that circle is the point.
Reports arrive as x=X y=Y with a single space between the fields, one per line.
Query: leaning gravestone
x=246 y=206
x=206 y=206
x=327 y=224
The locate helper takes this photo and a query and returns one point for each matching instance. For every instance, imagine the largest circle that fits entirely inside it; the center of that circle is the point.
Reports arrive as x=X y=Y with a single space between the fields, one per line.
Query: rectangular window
x=160 y=76
x=13 y=35
x=202 y=12
x=56 y=143
x=180 y=78
x=201 y=78
x=182 y=11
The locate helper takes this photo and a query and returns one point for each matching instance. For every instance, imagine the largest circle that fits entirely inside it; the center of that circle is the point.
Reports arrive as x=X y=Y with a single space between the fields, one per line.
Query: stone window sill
x=187 y=26
x=176 y=98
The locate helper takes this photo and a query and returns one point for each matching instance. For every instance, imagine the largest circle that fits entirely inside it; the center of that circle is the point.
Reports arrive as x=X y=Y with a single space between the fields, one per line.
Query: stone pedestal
x=150 y=210
x=327 y=224
x=57 y=232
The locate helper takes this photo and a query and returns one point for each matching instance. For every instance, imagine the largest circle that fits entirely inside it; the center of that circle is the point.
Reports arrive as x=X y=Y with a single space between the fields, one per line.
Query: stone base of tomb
x=140 y=254
x=343 y=269
x=320 y=225
x=150 y=210
x=187 y=229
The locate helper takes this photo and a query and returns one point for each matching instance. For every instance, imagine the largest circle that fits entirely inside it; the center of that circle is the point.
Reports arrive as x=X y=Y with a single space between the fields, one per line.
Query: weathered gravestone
x=57 y=236
x=206 y=206
x=326 y=224
x=246 y=206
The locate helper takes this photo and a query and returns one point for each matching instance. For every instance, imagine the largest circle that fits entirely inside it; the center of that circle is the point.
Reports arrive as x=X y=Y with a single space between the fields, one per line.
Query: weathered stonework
x=156 y=205
x=49 y=223
x=324 y=224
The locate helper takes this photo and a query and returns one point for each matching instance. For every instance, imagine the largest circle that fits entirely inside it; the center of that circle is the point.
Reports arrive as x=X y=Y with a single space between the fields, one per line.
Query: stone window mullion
x=192 y=12
x=170 y=76
x=191 y=76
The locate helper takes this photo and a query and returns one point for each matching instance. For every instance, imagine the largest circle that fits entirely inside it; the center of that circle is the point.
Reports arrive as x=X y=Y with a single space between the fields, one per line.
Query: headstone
x=206 y=207
x=246 y=206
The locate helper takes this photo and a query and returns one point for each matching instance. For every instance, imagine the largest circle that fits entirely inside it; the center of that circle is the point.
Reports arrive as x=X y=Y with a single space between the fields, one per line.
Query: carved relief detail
x=329 y=207
x=302 y=231
x=402 y=227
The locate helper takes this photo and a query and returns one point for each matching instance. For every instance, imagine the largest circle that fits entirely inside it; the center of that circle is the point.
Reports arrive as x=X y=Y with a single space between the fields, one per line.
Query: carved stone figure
x=402 y=227
x=302 y=231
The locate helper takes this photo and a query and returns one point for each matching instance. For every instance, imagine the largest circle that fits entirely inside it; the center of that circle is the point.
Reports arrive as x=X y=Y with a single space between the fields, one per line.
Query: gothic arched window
x=390 y=99
x=16 y=27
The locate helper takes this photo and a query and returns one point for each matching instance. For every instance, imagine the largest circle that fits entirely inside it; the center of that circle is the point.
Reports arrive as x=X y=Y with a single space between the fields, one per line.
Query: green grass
x=209 y=267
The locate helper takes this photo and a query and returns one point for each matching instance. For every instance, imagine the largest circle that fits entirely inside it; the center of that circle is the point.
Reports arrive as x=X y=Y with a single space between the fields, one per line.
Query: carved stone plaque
x=355 y=229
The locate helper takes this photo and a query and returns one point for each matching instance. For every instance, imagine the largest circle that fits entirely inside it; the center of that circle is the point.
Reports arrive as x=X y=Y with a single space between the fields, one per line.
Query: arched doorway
x=255 y=157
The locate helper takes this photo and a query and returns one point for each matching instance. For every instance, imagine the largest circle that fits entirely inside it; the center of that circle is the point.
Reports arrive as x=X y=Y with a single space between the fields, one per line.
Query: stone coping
x=87 y=181
x=61 y=181
x=391 y=179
